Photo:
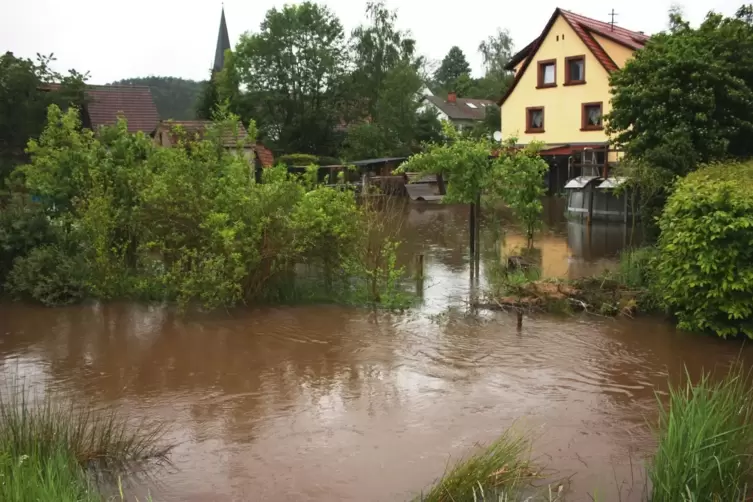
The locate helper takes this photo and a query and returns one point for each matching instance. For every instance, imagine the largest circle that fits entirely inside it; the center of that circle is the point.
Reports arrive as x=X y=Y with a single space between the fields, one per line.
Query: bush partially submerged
x=124 y=218
x=705 y=269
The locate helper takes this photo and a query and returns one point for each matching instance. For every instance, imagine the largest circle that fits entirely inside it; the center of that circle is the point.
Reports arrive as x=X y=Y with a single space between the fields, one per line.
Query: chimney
x=452 y=97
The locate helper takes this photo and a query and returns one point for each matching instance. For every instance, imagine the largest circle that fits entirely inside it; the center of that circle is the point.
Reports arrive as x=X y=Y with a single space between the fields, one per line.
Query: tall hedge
x=705 y=267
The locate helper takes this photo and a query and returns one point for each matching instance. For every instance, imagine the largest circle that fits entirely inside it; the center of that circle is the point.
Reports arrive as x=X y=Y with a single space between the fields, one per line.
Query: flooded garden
x=325 y=402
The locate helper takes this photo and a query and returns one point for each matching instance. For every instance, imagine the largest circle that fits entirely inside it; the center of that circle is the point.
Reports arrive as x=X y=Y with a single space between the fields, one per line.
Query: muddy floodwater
x=325 y=403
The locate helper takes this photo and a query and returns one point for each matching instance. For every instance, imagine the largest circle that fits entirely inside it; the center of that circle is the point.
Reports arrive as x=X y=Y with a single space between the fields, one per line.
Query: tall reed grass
x=705 y=434
x=48 y=448
x=495 y=473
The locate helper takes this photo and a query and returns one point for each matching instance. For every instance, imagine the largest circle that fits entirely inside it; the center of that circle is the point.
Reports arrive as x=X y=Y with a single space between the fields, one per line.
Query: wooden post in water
x=477 y=258
x=419 y=273
x=520 y=319
x=472 y=230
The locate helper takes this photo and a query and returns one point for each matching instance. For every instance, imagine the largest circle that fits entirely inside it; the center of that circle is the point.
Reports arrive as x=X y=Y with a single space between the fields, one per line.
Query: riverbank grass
x=495 y=473
x=705 y=441
x=47 y=449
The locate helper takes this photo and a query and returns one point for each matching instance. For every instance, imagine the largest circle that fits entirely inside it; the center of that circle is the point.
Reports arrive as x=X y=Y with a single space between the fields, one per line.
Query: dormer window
x=575 y=70
x=547 y=73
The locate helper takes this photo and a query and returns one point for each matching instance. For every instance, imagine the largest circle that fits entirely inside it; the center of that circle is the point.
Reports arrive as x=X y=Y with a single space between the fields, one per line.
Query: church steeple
x=223 y=43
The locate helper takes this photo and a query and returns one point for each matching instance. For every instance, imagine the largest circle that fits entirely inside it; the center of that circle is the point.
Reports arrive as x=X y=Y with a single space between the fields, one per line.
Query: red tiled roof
x=135 y=103
x=583 y=27
x=265 y=156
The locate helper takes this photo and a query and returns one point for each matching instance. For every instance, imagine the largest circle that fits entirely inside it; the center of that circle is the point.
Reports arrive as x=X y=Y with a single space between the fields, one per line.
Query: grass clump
x=501 y=469
x=48 y=450
x=705 y=441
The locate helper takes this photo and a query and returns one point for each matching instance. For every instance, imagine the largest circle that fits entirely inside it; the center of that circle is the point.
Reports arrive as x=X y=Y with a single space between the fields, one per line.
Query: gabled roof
x=134 y=102
x=462 y=108
x=584 y=27
x=196 y=128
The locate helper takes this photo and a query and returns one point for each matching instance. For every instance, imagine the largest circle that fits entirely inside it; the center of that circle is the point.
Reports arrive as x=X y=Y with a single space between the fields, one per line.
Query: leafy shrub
x=23 y=226
x=298 y=159
x=705 y=267
x=328 y=161
x=127 y=219
x=48 y=275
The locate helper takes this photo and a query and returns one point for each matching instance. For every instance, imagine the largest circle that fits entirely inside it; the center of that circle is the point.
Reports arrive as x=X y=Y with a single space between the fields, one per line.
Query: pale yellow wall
x=619 y=53
x=562 y=104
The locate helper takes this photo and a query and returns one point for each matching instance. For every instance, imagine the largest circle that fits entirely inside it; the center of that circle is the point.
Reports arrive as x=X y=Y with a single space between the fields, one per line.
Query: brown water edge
x=331 y=403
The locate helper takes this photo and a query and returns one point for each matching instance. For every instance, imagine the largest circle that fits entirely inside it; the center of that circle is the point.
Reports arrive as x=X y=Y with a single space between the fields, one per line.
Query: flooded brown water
x=323 y=403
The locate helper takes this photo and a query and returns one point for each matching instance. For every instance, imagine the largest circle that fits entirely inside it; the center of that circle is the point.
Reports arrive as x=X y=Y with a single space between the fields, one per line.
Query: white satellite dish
x=497 y=136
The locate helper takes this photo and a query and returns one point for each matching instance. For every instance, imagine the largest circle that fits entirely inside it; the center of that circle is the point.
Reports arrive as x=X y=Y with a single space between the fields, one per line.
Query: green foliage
x=119 y=217
x=428 y=127
x=378 y=48
x=496 y=52
x=514 y=177
x=25 y=95
x=464 y=161
x=499 y=471
x=366 y=141
x=55 y=477
x=46 y=447
x=517 y=178
x=49 y=275
x=208 y=98
x=637 y=267
x=298 y=159
x=705 y=441
x=705 y=268
x=687 y=97
x=23 y=226
x=453 y=66
x=292 y=70
x=392 y=132
x=174 y=97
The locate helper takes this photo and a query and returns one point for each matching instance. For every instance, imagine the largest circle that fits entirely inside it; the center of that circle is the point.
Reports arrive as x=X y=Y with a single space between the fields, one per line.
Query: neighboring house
x=167 y=134
x=105 y=103
x=560 y=93
x=463 y=113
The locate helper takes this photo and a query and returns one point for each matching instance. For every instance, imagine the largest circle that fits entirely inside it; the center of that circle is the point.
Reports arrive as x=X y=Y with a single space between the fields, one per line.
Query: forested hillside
x=175 y=97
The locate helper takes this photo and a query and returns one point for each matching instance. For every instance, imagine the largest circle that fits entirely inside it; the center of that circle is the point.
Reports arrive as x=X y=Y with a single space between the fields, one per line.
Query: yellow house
x=561 y=88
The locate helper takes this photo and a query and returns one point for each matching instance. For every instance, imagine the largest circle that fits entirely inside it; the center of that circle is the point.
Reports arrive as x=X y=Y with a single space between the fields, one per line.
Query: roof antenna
x=611 y=23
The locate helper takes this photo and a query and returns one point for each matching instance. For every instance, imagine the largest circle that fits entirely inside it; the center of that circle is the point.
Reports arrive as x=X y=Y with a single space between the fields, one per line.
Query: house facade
x=561 y=90
x=463 y=113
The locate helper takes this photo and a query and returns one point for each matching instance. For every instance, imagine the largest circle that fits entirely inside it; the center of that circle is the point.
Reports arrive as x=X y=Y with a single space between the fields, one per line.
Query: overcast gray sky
x=114 y=40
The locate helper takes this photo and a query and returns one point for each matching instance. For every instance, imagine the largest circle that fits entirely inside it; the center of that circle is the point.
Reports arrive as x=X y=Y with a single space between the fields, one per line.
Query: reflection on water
x=330 y=403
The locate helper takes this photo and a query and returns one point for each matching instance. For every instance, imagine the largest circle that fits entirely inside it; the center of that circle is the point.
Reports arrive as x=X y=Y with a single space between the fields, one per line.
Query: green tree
x=428 y=127
x=515 y=176
x=27 y=88
x=378 y=48
x=293 y=70
x=687 y=97
x=453 y=66
x=394 y=126
x=496 y=51
x=207 y=99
